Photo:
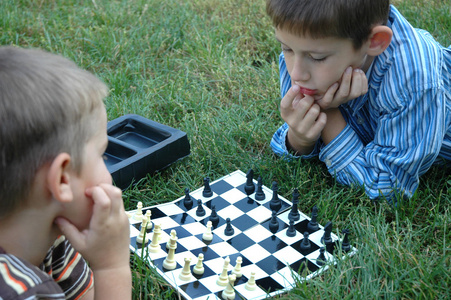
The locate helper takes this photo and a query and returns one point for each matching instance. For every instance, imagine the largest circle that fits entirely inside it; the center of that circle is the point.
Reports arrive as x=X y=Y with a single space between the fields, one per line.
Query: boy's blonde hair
x=47 y=106
x=348 y=19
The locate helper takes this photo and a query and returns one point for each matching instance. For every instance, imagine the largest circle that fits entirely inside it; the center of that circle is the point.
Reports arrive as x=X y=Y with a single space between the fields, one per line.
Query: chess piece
x=157 y=229
x=305 y=244
x=345 y=245
x=249 y=187
x=237 y=269
x=291 y=231
x=313 y=224
x=321 y=260
x=148 y=221
x=139 y=213
x=223 y=279
x=250 y=284
x=208 y=235
x=173 y=235
x=229 y=229
x=142 y=237
x=187 y=201
x=214 y=218
x=169 y=263
x=200 y=211
x=154 y=245
x=199 y=267
x=259 y=194
x=229 y=292
x=207 y=192
x=294 y=213
x=327 y=238
x=275 y=203
x=185 y=275
x=273 y=223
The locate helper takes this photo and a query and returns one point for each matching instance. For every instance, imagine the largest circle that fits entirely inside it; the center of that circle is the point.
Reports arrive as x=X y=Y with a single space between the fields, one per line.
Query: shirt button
x=328 y=162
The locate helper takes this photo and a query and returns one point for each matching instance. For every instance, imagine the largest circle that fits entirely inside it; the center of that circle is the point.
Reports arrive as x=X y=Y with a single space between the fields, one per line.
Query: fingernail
x=358 y=71
x=296 y=88
x=349 y=70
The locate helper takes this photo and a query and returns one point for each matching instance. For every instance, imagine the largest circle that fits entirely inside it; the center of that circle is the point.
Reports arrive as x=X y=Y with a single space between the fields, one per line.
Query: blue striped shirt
x=397 y=130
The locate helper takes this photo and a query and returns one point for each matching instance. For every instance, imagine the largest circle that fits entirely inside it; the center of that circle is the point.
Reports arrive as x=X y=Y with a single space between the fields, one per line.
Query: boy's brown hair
x=349 y=19
x=47 y=106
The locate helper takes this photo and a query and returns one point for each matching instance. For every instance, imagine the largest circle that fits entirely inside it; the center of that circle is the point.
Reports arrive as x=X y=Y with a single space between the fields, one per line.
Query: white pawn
x=142 y=237
x=229 y=292
x=199 y=267
x=237 y=269
x=169 y=263
x=154 y=245
x=158 y=231
x=208 y=235
x=147 y=217
x=138 y=216
x=250 y=284
x=223 y=279
x=185 y=275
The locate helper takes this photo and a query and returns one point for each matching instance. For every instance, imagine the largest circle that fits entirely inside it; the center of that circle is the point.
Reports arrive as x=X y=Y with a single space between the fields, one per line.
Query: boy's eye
x=285 y=49
x=317 y=58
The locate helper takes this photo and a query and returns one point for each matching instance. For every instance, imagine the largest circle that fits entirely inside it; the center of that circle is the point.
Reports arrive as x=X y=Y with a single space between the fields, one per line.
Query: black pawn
x=291 y=231
x=294 y=213
x=200 y=211
x=259 y=195
x=345 y=246
x=313 y=224
x=229 y=229
x=214 y=218
x=274 y=224
x=187 y=201
x=321 y=260
x=207 y=192
x=305 y=244
x=327 y=238
x=275 y=203
x=249 y=188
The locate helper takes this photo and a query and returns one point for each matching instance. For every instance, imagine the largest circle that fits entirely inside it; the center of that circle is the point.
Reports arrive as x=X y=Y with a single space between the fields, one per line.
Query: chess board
x=275 y=258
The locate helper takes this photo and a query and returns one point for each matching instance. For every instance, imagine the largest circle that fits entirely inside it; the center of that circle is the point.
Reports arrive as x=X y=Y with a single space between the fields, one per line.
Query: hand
x=305 y=119
x=353 y=84
x=105 y=244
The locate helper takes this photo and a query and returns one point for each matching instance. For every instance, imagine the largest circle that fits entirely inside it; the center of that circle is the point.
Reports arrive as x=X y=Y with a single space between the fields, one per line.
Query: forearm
x=335 y=124
x=113 y=284
x=296 y=146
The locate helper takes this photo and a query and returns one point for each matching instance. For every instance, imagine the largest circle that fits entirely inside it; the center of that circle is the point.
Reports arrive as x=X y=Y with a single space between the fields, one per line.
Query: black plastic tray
x=138 y=146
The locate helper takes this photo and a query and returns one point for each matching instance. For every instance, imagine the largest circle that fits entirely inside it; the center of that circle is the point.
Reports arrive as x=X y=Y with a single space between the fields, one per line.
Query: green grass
x=209 y=68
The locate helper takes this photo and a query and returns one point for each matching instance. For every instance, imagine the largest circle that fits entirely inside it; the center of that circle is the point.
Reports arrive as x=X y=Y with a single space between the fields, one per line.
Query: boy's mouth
x=307 y=91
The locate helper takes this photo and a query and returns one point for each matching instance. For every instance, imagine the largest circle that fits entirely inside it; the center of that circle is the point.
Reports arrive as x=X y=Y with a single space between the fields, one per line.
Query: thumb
x=71 y=232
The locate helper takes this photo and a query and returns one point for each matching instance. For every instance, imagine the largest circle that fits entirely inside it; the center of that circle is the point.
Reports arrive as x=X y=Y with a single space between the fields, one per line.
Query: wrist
x=298 y=146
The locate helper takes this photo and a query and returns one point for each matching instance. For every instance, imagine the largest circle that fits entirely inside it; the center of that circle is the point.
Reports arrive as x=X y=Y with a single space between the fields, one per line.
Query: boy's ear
x=380 y=39
x=58 y=178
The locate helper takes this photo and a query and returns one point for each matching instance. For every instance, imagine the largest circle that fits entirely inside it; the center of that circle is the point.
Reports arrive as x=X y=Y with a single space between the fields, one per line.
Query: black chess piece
x=214 y=218
x=275 y=203
x=259 y=194
x=273 y=223
x=294 y=213
x=229 y=229
x=291 y=231
x=326 y=239
x=321 y=260
x=207 y=192
x=249 y=187
x=345 y=245
x=313 y=224
x=305 y=243
x=188 y=201
x=200 y=211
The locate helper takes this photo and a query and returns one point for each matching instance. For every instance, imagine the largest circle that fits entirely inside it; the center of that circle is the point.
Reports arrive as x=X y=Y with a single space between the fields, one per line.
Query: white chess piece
x=237 y=269
x=138 y=216
x=149 y=223
x=154 y=245
x=250 y=284
x=185 y=275
x=169 y=263
x=229 y=292
x=199 y=267
x=142 y=237
x=223 y=279
x=208 y=235
x=173 y=235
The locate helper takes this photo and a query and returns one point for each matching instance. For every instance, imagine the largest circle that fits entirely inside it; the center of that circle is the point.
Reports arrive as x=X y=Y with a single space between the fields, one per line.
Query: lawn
x=209 y=68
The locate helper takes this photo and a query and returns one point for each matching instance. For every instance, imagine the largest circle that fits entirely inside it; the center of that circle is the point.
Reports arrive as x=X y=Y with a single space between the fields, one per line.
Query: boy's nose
x=299 y=72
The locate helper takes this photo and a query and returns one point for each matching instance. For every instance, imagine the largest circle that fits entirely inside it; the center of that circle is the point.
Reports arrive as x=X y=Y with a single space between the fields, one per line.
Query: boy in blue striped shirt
x=363 y=90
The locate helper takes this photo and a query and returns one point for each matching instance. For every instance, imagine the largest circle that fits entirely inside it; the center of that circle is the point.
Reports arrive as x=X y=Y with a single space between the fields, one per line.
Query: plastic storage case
x=138 y=146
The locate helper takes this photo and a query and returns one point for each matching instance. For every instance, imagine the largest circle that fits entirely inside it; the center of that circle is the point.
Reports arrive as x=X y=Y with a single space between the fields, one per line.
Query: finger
x=287 y=100
x=359 y=84
x=328 y=97
x=115 y=196
x=311 y=116
x=345 y=84
x=71 y=232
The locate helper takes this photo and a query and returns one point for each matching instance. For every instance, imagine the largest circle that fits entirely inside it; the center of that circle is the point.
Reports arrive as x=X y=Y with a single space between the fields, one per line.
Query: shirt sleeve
x=407 y=141
x=68 y=269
